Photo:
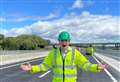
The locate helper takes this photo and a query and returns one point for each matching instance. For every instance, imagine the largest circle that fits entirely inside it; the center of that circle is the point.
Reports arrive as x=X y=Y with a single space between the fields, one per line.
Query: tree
x=1 y=41
x=9 y=43
x=23 y=42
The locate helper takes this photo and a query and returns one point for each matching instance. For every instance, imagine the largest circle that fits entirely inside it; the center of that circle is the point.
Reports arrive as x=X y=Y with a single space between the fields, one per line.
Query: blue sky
x=16 y=9
x=20 y=14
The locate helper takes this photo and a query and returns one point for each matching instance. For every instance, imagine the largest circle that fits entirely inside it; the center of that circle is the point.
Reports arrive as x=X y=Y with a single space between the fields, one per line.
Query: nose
x=64 y=42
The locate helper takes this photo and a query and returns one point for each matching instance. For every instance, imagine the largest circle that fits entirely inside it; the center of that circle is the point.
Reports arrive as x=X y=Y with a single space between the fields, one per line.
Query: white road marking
x=112 y=62
x=44 y=74
x=108 y=73
x=22 y=72
x=18 y=64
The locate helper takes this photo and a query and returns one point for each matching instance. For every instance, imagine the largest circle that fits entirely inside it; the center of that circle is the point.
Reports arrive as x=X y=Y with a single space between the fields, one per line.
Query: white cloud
x=85 y=27
x=82 y=3
x=2 y=19
x=26 y=18
x=50 y=16
x=3 y=31
x=78 y=4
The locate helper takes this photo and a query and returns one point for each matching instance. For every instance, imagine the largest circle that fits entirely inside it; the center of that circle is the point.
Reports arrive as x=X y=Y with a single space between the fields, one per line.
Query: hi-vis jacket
x=90 y=50
x=64 y=70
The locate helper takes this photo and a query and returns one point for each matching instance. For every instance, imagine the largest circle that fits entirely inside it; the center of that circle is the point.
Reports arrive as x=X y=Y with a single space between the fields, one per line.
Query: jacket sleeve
x=82 y=62
x=47 y=63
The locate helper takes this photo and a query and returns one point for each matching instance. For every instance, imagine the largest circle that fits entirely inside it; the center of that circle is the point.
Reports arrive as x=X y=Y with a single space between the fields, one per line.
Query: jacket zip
x=63 y=65
x=63 y=70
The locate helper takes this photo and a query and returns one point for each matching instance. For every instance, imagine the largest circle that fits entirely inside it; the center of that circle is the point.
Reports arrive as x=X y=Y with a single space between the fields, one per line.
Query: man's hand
x=102 y=66
x=26 y=67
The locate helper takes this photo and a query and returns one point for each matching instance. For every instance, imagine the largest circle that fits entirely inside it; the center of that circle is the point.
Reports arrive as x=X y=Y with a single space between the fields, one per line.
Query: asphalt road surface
x=15 y=74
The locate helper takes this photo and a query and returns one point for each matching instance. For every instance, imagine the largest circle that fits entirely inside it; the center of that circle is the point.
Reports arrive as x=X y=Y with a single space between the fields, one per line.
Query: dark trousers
x=88 y=53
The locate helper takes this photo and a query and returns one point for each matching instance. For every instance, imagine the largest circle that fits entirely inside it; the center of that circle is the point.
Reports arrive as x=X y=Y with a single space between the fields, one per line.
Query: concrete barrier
x=8 y=59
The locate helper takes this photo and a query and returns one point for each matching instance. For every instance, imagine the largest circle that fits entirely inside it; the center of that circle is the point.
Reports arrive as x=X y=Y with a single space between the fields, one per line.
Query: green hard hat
x=64 y=36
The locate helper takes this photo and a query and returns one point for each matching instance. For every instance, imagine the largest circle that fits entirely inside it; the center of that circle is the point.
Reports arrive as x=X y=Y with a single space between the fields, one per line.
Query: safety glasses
x=64 y=40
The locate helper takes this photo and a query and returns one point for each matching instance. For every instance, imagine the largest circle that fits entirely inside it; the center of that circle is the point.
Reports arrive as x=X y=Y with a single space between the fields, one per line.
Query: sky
x=85 y=20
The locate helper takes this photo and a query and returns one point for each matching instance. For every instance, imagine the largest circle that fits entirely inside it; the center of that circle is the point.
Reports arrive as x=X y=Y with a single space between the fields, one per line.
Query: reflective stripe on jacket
x=64 y=70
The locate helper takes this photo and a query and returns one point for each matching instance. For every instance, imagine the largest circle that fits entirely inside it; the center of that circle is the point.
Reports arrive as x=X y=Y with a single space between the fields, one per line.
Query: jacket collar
x=66 y=51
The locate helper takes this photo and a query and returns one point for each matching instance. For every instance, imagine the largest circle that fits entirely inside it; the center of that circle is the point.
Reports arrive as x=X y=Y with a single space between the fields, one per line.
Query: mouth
x=64 y=45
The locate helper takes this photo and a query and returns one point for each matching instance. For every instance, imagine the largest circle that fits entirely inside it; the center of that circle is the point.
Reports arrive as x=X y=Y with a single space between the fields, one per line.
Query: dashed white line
x=44 y=74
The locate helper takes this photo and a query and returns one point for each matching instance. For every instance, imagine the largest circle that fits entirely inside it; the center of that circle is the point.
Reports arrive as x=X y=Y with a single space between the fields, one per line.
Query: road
x=15 y=74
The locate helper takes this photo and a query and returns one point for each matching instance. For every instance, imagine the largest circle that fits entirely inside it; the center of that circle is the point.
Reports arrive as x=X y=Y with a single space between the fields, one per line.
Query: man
x=63 y=62
x=90 y=50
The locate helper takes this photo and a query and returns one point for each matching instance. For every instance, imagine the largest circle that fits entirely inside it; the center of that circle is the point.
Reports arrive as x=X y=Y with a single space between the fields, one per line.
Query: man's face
x=64 y=43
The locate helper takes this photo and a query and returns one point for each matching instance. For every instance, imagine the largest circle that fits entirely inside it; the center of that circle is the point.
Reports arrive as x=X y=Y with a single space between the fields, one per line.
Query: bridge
x=99 y=45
